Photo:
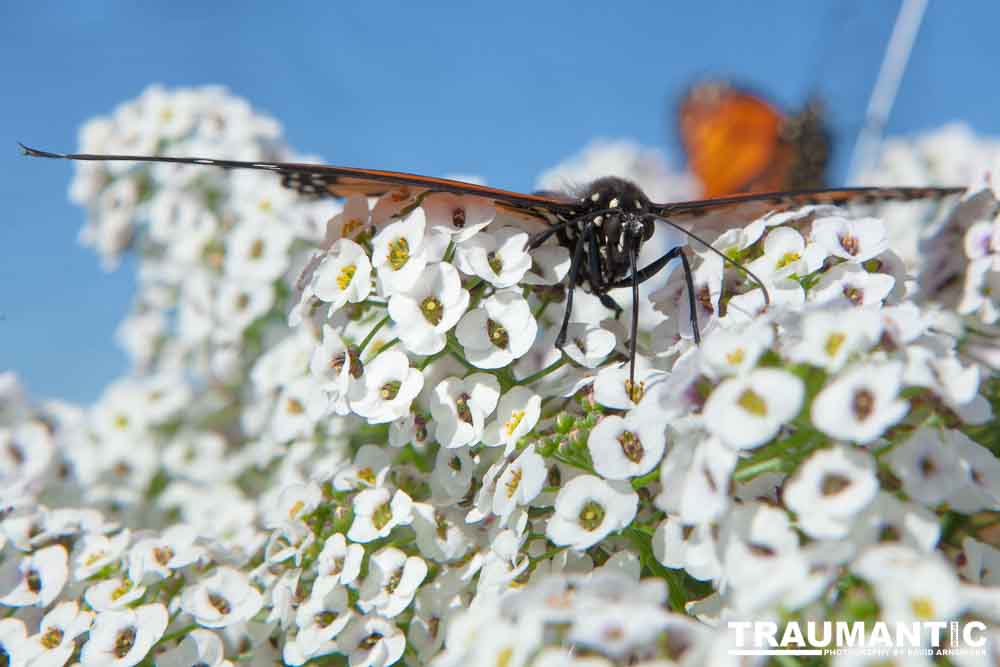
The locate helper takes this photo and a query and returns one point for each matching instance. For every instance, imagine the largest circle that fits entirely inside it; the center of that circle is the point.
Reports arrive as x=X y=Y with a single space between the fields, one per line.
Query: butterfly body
x=614 y=215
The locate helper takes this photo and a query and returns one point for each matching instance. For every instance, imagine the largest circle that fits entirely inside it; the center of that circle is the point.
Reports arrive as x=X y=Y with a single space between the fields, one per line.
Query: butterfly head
x=617 y=212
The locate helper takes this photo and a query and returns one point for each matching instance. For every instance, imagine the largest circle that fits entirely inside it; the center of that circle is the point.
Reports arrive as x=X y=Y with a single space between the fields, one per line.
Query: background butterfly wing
x=733 y=140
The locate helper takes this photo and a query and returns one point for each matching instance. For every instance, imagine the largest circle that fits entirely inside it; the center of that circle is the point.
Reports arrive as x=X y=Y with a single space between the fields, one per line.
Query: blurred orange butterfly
x=736 y=141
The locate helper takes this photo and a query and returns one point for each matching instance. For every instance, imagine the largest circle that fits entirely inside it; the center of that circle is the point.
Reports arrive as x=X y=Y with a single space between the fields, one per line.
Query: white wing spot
x=203 y=161
x=595 y=197
x=265 y=165
x=613 y=203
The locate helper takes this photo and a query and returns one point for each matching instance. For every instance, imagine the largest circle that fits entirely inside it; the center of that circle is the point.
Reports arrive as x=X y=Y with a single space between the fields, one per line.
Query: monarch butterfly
x=603 y=226
x=736 y=141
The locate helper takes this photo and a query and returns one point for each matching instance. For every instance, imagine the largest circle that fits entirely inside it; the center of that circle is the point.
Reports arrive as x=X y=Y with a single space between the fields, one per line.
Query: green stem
x=551 y=368
x=371 y=334
x=385 y=347
x=456 y=351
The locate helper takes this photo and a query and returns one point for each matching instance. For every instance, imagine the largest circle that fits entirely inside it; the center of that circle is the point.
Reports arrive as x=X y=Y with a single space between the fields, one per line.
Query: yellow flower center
x=514 y=422
x=399 y=253
x=833 y=343
x=345 y=276
x=752 y=402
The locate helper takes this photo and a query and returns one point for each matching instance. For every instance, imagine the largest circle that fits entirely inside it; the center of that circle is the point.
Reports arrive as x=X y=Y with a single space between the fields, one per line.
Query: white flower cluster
x=357 y=443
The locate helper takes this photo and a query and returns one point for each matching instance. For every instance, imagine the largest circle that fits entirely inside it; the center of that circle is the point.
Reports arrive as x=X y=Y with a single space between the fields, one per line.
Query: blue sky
x=502 y=90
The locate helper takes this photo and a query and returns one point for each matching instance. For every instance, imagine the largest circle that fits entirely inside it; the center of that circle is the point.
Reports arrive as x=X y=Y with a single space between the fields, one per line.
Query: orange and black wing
x=733 y=140
x=325 y=180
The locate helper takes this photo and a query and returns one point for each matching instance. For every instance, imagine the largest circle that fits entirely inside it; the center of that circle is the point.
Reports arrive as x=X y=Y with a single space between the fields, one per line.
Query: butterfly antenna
x=897 y=54
x=729 y=260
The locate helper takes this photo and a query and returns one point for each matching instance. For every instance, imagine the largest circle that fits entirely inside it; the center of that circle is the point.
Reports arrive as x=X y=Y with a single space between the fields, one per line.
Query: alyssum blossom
x=346 y=434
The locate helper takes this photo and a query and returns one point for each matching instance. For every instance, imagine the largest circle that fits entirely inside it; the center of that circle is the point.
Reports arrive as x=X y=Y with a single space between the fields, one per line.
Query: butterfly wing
x=733 y=140
x=724 y=212
x=325 y=180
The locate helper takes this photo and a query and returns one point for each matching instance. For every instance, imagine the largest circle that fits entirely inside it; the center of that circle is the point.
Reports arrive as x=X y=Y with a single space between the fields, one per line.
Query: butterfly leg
x=574 y=270
x=610 y=304
x=651 y=270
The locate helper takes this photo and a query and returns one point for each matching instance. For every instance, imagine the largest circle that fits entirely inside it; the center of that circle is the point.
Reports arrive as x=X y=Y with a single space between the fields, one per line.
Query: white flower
x=239 y=304
x=588 y=509
x=550 y=266
x=695 y=478
x=452 y=474
x=124 y=638
x=343 y=275
x=15 y=647
x=25 y=455
x=392 y=581
x=459 y=408
x=861 y=403
x=428 y=308
x=672 y=300
x=588 y=344
x=517 y=414
x=979 y=563
x=910 y=585
x=851 y=285
x=519 y=483
x=735 y=351
x=829 y=490
x=856 y=240
x=889 y=518
x=372 y=641
x=335 y=366
x=787 y=254
x=499 y=258
x=339 y=562
x=441 y=533
x=118 y=591
x=57 y=632
x=927 y=465
x=831 y=336
x=175 y=548
x=499 y=331
x=319 y=619
x=258 y=250
x=612 y=387
x=748 y=411
x=201 y=648
x=624 y=447
x=458 y=216
x=981 y=490
x=756 y=541
x=375 y=515
x=224 y=598
x=389 y=385
x=301 y=404
x=37 y=578
x=370 y=467
x=398 y=253
x=353 y=221
x=691 y=548
x=288 y=540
